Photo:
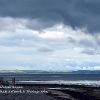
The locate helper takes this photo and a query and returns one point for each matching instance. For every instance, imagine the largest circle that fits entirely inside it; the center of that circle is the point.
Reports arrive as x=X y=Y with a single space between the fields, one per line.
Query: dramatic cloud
x=77 y=13
x=59 y=47
x=53 y=34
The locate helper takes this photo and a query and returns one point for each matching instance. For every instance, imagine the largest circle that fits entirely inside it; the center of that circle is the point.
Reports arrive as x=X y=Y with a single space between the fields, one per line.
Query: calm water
x=51 y=77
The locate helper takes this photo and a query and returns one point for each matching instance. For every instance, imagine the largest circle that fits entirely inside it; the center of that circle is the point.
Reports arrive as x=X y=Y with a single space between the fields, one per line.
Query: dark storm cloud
x=76 y=13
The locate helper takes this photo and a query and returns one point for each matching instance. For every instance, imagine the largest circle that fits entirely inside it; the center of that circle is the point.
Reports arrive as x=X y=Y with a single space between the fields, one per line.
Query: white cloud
x=55 y=32
x=57 y=47
x=97 y=68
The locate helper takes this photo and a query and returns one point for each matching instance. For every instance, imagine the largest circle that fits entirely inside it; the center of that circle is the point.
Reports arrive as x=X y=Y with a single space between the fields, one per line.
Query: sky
x=57 y=35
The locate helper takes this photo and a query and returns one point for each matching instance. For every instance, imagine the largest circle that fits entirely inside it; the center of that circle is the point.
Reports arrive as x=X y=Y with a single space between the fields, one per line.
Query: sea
x=79 y=79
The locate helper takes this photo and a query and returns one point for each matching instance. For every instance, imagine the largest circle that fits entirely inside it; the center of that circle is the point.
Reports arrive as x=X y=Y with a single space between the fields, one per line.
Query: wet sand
x=25 y=97
x=53 y=92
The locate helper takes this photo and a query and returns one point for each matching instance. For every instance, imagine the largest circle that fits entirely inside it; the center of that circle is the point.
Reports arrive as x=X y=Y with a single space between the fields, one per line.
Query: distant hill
x=86 y=72
x=49 y=72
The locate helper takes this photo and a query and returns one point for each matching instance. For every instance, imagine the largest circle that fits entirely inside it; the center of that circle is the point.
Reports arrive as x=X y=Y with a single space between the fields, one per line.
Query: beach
x=22 y=91
x=19 y=86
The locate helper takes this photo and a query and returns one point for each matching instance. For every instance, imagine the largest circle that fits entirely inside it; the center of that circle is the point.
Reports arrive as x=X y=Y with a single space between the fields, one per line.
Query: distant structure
x=13 y=81
x=2 y=82
x=5 y=82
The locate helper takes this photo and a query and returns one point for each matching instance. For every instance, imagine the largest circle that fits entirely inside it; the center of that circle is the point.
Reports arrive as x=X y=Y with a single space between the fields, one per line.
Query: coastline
x=52 y=92
x=90 y=83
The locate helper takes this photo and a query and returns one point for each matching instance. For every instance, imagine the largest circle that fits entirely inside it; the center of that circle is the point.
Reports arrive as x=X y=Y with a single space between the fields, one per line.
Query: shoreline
x=53 y=92
x=49 y=90
x=61 y=82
